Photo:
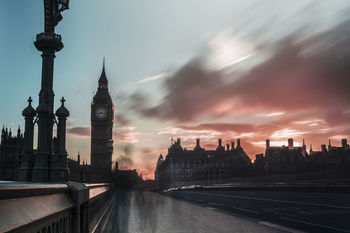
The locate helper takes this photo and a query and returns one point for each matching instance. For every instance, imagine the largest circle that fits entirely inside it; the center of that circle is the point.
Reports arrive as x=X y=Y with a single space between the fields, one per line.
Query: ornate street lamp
x=62 y=5
x=52 y=10
x=49 y=43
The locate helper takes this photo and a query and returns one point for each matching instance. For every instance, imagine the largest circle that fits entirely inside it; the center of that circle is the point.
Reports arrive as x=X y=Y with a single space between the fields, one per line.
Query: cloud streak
x=311 y=75
x=155 y=77
x=82 y=131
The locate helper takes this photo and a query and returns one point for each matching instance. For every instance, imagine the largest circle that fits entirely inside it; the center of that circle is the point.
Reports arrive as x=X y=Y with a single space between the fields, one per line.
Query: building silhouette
x=79 y=171
x=331 y=158
x=284 y=159
x=102 y=118
x=14 y=156
x=126 y=178
x=10 y=154
x=292 y=160
x=183 y=167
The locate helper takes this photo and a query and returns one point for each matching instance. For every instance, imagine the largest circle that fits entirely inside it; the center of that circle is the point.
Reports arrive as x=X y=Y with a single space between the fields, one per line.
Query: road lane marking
x=280 y=227
x=198 y=200
x=246 y=210
x=103 y=215
x=279 y=201
x=218 y=204
x=315 y=224
x=305 y=212
x=215 y=204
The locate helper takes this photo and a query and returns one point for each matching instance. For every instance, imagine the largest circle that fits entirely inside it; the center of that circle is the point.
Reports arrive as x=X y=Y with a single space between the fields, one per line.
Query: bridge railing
x=100 y=199
x=52 y=208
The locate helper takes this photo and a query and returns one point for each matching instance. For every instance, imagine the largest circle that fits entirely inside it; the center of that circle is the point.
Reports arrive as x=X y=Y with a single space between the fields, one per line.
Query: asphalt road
x=152 y=212
x=310 y=212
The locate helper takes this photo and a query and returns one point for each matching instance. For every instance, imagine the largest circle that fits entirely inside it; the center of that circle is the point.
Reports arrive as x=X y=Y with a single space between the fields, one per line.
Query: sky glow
x=239 y=69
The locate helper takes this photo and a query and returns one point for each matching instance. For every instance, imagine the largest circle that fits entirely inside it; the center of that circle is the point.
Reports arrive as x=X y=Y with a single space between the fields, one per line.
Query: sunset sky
x=188 y=68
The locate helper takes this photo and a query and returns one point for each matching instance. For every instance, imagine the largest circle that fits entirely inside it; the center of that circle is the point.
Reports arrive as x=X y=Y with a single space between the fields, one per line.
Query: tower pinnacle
x=103 y=82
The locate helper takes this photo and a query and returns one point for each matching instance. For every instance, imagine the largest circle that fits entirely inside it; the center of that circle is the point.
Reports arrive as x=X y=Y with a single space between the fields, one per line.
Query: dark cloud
x=189 y=93
x=125 y=160
x=121 y=119
x=221 y=127
x=310 y=75
x=79 y=131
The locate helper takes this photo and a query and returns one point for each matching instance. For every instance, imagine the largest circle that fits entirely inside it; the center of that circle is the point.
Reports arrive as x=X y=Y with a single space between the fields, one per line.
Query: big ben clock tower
x=102 y=115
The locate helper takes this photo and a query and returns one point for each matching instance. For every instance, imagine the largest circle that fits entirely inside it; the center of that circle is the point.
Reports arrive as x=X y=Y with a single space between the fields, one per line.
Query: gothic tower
x=102 y=116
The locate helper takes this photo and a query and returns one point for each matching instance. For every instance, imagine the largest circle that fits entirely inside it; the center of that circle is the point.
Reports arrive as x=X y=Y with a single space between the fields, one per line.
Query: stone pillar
x=48 y=44
x=59 y=169
x=219 y=142
x=25 y=171
x=80 y=195
x=41 y=165
x=238 y=143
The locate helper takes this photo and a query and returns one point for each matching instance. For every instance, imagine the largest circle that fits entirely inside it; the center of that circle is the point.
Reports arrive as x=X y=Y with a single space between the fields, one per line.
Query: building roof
x=102 y=90
x=103 y=78
x=176 y=151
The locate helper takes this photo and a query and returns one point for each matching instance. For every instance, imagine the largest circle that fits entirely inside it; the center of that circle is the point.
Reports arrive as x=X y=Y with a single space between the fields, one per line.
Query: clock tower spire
x=102 y=117
x=103 y=82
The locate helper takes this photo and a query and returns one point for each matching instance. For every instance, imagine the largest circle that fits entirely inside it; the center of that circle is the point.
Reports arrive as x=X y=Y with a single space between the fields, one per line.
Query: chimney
x=178 y=141
x=227 y=147
x=197 y=141
x=232 y=145
x=220 y=142
x=344 y=142
x=267 y=143
x=18 y=132
x=323 y=147
x=290 y=142
x=238 y=142
x=329 y=145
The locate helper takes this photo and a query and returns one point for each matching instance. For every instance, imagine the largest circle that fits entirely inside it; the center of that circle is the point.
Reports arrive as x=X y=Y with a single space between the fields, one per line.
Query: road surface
x=311 y=212
x=135 y=212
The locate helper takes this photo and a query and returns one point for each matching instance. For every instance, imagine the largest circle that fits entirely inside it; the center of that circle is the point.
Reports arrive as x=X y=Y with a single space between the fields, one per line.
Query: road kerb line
x=246 y=210
x=280 y=227
x=279 y=201
x=315 y=224
x=103 y=215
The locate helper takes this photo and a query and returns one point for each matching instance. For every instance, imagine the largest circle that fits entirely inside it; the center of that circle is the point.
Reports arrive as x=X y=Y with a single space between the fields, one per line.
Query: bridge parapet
x=70 y=207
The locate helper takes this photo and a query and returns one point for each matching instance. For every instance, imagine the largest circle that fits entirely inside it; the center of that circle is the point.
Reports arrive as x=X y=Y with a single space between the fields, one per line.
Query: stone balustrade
x=70 y=207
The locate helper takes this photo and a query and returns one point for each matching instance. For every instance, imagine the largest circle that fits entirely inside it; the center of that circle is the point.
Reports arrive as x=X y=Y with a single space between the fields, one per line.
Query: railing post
x=80 y=195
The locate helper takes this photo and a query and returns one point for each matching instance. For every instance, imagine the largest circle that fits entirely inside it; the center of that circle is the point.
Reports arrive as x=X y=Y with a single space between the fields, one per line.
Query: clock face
x=101 y=113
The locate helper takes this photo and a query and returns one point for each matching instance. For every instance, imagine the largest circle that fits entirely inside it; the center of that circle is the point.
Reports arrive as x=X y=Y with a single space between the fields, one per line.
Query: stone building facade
x=10 y=154
x=79 y=171
x=102 y=119
x=331 y=158
x=182 y=167
x=290 y=159
x=284 y=159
